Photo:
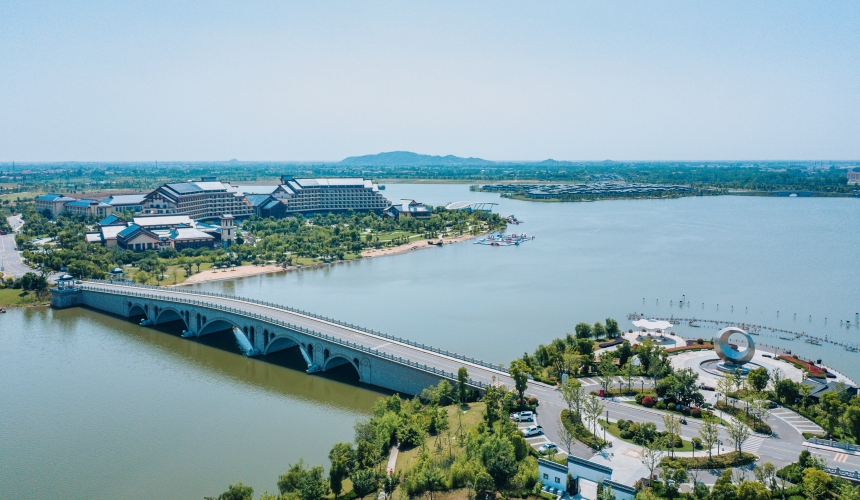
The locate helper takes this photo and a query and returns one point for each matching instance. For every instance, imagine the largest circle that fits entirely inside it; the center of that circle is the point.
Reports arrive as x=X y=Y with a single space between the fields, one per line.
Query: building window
x=558 y=480
x=546 y=476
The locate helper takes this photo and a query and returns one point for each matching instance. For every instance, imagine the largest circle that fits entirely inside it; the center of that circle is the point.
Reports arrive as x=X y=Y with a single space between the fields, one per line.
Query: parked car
x=548 y=448
x=523 y=416
x=532 y=430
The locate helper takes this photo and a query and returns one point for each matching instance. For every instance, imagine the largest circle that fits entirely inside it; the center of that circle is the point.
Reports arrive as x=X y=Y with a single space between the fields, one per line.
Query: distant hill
x=406 y=158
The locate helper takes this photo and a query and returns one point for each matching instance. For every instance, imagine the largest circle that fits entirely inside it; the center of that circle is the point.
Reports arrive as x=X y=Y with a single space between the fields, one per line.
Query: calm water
x=94 y=406
x=594 y=260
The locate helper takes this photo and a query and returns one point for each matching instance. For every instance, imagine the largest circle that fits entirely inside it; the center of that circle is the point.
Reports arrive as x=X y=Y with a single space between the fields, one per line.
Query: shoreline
x=416 y=245
x=211 y=275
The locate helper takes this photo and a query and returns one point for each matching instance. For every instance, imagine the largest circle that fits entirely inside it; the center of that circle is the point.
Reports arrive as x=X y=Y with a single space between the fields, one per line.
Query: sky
x=319 y=81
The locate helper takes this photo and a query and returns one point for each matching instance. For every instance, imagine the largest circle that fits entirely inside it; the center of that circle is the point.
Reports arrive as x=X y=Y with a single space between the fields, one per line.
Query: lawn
x=469 y=416
x=22 y=195
x=18 y=297
x=173 y=275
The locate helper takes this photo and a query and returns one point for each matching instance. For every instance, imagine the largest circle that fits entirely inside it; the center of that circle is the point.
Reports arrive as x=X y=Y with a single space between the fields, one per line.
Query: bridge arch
x=280 y=342
x=167 y=314
x=336 y=360
x=217 y=325
x=137 y=310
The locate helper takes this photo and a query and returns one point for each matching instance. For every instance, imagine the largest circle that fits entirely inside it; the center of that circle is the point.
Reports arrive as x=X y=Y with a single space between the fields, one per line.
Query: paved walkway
x=10 y=260
x=799 y=422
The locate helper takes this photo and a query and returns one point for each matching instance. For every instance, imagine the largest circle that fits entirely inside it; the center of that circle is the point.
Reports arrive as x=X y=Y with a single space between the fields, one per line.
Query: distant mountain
x=406 y=158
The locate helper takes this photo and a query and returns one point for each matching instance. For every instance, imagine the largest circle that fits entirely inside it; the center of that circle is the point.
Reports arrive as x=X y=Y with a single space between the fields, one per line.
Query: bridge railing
x=834 y=444
x=293 y=310
x=301 y=329
x=849 y=474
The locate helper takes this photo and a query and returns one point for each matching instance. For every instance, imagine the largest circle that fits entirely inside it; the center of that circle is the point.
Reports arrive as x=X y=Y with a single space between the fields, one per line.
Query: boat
x=813 y=341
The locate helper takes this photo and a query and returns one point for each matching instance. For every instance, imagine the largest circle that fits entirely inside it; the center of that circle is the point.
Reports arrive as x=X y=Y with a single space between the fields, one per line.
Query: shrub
x=660 y=405
x=639 y=398
x=697 y=443
x=533 y=400
x=700 y=341
x=623 y=424
x=696 y=412
x=670 y=407
x=648 y=401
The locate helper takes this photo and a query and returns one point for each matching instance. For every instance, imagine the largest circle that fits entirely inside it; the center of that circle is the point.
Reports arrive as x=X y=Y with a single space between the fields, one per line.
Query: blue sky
x=129 y=81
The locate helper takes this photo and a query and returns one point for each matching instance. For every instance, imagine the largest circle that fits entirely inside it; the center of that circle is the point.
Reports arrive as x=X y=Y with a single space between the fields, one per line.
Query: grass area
x=18 y=297
x=469 y=416
x=616 y=432
x=23 y=195
x=176 y=274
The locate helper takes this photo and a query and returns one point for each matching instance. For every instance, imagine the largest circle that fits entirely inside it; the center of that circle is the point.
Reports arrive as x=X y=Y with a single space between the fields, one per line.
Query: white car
x=548 y=448
x=523 y=416
x=532 y=430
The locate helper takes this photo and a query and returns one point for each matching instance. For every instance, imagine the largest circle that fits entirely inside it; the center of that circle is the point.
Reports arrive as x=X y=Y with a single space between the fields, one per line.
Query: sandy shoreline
x=236 y=272
x=414 y=246
x=251 y=270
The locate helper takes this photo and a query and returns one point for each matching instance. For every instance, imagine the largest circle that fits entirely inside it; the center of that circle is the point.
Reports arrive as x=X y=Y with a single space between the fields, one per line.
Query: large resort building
x=174 y=215
x=209 y=198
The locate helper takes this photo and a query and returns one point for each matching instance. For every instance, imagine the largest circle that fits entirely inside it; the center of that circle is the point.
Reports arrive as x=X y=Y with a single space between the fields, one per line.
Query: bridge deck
x=424 y=356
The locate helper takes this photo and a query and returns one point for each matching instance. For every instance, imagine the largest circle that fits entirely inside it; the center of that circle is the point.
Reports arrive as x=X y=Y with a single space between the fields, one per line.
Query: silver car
x=523 y=416
x=532 y=430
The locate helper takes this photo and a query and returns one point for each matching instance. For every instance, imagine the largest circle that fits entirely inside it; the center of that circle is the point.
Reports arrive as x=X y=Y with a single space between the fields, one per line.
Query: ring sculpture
x=730 y=355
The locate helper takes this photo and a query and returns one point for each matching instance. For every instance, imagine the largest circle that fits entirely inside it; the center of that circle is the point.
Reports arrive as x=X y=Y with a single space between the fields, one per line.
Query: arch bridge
x=379 y=359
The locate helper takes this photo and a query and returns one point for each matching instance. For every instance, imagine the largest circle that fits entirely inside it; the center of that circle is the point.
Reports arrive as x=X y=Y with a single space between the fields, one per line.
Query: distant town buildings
x=853 y=177
x=552 y=191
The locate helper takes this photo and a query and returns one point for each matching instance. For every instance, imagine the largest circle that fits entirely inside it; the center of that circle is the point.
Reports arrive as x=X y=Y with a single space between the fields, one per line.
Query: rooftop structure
x=200 y=200
x=53 y=202
x=409 y=208
x=471 y=206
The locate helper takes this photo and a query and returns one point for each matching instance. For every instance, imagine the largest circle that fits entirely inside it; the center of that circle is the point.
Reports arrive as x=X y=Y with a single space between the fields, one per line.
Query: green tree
x=306 y=483
x=462 y=380
x=520 y=373
x=236 y=491
x=598 y=331
x=816 y=482
x=758 y=378
x=342 y=458
x=710 y=434
x=363 y=482
x=498 y=457
x=724 y=489
x=583 y=331
x=612 y=330
x=751 y=490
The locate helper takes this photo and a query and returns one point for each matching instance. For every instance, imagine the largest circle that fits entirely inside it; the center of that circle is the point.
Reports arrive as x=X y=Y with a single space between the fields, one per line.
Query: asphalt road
x=10 y=260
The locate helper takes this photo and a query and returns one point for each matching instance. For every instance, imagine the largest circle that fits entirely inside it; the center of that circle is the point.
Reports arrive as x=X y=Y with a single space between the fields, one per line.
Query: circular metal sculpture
x=730 y=355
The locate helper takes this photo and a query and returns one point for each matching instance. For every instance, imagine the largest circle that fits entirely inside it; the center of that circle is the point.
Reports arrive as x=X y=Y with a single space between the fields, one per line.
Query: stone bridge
x=382 y=360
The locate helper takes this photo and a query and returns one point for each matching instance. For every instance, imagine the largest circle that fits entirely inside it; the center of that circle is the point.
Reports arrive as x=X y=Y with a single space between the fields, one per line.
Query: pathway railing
x=284 y=324
x=848 y=474
x=834 y=444
x=293 y=310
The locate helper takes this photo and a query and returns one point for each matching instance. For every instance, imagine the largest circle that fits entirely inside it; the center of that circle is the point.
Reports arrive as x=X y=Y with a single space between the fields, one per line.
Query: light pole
x=605 y=426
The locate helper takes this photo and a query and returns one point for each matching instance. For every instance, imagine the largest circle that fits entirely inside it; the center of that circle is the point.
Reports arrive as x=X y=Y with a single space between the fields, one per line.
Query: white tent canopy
x=652 y=324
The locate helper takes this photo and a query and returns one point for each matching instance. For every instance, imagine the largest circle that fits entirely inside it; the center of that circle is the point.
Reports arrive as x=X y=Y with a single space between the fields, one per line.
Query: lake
x=94 y=406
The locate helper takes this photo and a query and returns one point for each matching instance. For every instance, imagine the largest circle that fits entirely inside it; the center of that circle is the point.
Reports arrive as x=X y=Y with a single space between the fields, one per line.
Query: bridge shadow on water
x=290 y=358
